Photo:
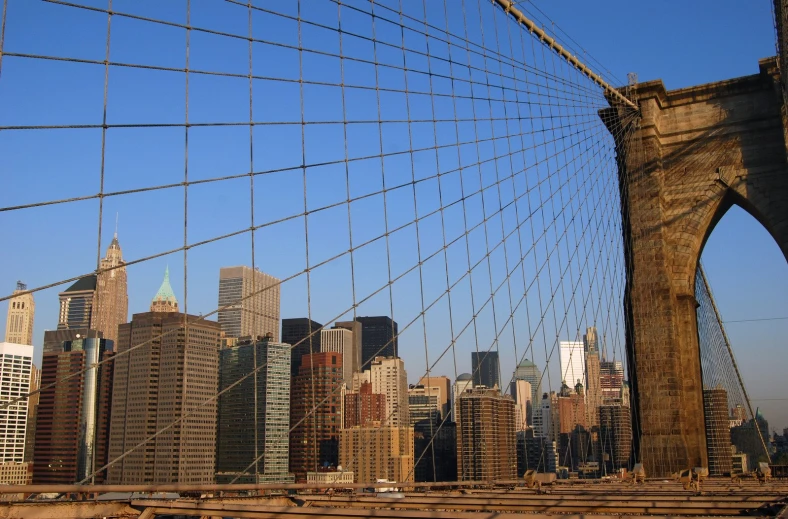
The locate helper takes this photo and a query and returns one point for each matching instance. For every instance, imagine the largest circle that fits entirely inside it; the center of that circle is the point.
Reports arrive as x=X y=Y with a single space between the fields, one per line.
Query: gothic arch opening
x=748 y=274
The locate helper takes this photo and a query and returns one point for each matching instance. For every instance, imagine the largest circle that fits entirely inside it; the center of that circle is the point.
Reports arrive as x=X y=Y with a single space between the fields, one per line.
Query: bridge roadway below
x=654 y=499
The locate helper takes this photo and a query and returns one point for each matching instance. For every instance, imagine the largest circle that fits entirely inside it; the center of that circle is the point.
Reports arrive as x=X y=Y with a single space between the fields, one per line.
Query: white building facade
x=16 y=365
x=572 y=358
x=390 y=378
x=340 y=340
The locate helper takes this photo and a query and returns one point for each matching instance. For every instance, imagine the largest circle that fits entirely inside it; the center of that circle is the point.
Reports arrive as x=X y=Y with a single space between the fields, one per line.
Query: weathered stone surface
x=691 y=155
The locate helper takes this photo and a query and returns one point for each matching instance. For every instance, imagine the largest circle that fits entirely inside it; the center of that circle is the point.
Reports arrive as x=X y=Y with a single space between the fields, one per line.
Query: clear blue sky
x=59 y=241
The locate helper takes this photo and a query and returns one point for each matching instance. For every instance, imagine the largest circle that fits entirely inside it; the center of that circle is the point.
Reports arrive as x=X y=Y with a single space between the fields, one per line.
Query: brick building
x=314 y=440
x=486 y=439
x=364 y=407
x=374 y=453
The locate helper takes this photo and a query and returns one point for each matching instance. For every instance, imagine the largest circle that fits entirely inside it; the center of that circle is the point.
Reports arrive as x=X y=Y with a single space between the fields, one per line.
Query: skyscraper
x=112 y=298
x=464 y=381
x=423 y=405
x=593 y=384
x=341 y=340
x=571 y=409
x=615 y=435
x=523 y=411
x=718 y=431
x=611 y=379
x=16 y=364
x=546 y=417
x=76 y=305
x=72 y=422
x=358 y=343
x=32 y=413
x=315 y=413
x=378 y=339
x=590 y=339
x=486 y=440
x=436 y=445
x=572 y=359
x=100 y=302
x=21 y=311
x=252 y=301
x=486 y=369
x=527 y=370
x=364 y=408
x=440 y=386
x=303 y=335
x=389 y=378
x=172 y=370
x=254 y=415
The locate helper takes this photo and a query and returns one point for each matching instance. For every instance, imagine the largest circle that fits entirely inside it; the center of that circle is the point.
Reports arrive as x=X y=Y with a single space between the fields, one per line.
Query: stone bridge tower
x=684 y=160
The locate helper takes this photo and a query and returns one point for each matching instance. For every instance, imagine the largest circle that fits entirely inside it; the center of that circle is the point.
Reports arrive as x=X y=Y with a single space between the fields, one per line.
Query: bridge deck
x=654 y=500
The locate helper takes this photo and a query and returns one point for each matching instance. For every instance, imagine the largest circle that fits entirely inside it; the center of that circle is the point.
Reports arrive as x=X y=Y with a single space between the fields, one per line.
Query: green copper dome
x=525 y=364
x=165 y=292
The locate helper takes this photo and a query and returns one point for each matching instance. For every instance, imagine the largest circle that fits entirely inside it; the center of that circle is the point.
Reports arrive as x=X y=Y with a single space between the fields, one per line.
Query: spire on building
x=164 y=300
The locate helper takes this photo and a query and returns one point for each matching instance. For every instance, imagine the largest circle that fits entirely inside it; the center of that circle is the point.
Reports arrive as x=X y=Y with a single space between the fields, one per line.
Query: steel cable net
x=725 y=401
x=434 y=162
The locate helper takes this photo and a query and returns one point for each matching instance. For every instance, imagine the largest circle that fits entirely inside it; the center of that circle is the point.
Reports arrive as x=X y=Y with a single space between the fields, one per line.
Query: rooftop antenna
x=116 y=226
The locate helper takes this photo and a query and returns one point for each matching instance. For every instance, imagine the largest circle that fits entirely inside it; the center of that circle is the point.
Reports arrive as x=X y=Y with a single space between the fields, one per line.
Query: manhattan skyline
x=281 y=252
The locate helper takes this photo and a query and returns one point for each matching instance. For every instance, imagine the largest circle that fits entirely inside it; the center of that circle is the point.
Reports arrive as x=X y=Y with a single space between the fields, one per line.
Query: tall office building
x=76 y=305
x=523 y=410
x=593 y=383
x=21 y=311
x=359 y=379
x=441 y=387
x=16 y=365
x=72 y=423
x=379 y=338
x=32 y=413
x=486 y=369
x=590 y=339
x=436 y=445
x=374 y=453
x=364 y=408
x=611 y=379
x=528 y=371
x=254 y=415
x=112 y=298
x=571 y=409
x=252 y=301
x=54 y=339
x=358 y=344
x=340 y=340
x=718 y=431
x=615 y=435
x=423 y=405
x=100 y=302
x=315 y=414
x=486 y=439
x=464 y=381
x=571 y=355
x=546 y=417
x=173 y=369
x=303 y=335
x=389 y=378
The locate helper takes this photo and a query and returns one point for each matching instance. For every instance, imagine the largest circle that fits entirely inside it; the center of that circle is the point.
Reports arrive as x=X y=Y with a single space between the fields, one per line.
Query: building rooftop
x=86 y=283
x=465 y=376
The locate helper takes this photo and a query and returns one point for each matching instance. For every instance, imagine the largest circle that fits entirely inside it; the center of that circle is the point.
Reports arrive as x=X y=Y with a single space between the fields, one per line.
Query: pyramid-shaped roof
x=165 y=292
